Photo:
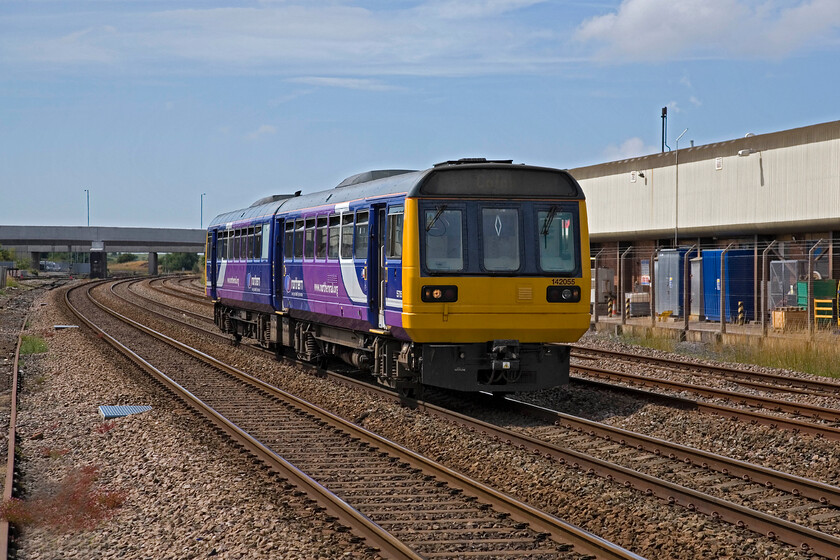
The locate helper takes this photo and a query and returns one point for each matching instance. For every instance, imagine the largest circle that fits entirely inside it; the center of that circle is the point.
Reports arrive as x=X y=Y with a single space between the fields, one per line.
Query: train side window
x=226 y=252
x=221 y=245
x=299 y=228
x=395 y=234
x=444 y=239
x=347 y=236
x=335 y=228
x=250 y=244
x=310 y=238
x=234 y=256
x=289 y=240
x=556 y=240
x=500 y=239
x=362 y=238
x=266 y=239
x=257 y=243
x=321 y=238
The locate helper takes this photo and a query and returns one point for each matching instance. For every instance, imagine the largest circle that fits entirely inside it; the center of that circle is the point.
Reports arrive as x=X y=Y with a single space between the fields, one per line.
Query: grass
x=32 y=345
x=820 y=357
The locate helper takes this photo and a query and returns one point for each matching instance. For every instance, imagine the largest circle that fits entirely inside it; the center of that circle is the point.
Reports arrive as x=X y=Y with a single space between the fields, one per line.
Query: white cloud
x=644 y=30
x=347 y=83
x=435 y=37
x=263 y=130
x=630 y=148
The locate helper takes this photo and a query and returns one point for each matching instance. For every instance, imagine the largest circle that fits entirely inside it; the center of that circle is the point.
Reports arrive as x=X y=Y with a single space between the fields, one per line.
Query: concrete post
x=153 y=264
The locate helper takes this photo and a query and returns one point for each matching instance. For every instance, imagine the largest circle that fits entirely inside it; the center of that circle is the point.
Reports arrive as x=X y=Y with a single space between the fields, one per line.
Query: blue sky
x=148 y=103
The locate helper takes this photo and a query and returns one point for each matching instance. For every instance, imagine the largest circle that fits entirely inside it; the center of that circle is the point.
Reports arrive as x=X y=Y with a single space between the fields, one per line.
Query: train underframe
x=497 y=366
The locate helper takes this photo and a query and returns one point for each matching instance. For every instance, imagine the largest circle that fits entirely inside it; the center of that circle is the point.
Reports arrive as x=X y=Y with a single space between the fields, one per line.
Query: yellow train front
x=495 y=273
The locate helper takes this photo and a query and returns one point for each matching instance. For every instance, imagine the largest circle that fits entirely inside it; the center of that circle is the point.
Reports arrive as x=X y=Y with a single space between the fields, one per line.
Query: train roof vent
x=273 y=198
x=472 y=160
x=372 y=176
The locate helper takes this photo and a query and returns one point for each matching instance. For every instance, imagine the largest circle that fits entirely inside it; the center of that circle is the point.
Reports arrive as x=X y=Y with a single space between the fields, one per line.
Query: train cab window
x=310 y=238
x=335 y=228
x=362 y=234
x=321 y=237
x=266 y=239
x=347 y=236
x=393 y=242
x=556 y=240
x=444 y=239
x=500 y=239
x=299 y=239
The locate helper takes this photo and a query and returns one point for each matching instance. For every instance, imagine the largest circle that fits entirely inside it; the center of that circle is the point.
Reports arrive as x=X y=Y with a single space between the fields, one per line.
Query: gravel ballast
x=189 y=495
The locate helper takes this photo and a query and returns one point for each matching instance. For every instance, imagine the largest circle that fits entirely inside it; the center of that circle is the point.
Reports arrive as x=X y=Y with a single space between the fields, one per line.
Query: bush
x=126 y=257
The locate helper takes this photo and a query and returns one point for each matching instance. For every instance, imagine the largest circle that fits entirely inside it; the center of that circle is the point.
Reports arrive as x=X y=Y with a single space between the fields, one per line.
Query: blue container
x=740 y=270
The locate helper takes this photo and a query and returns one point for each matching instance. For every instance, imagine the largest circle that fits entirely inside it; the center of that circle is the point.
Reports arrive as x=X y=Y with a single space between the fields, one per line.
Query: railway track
x=795 y=510
x=405 y=505
x=758 y=380
x=801 y=512
x=162 y=285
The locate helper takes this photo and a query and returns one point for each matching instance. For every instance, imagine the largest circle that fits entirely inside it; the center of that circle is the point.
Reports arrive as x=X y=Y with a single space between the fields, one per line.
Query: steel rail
x=821 y=387
x=9 y=481
x=771 y=478
x=172 y=308
x=802 y=409
x=741 y=516
x=173 y=292
x=519 y=511
x=776 y=422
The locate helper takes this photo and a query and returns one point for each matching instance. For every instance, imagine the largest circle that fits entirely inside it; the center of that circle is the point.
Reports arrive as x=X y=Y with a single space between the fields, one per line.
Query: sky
x=167 y=113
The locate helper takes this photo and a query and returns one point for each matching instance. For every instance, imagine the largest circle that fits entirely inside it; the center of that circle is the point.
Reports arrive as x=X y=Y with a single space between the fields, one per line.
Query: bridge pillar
x=153 y=264
x=35 y=257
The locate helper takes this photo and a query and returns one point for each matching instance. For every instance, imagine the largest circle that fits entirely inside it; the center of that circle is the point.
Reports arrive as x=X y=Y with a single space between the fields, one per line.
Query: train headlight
x=562 y=294
x=439 y=294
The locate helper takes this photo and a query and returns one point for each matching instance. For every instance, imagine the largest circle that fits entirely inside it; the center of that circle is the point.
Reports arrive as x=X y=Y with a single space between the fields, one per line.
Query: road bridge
x=36 y=240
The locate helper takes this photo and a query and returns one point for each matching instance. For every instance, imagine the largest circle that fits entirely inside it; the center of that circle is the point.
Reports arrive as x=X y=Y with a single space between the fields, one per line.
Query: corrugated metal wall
x=789 y=182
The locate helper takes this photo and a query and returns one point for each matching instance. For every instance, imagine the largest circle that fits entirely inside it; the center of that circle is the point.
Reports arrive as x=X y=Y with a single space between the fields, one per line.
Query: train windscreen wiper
x=548 y=220
x=435 y=219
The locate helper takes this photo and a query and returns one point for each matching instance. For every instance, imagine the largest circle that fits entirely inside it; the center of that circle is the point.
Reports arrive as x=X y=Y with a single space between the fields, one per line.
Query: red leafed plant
x=74 y=505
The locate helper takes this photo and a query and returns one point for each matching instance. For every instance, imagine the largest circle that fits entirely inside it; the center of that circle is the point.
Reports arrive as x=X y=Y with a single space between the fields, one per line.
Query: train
x=472 y=275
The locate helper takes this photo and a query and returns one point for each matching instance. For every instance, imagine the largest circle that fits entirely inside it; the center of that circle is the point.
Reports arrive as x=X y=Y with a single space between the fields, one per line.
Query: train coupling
x=504 y=358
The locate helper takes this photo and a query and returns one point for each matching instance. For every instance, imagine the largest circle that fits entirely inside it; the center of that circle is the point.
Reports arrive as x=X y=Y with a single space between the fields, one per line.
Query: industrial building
x=748 y=202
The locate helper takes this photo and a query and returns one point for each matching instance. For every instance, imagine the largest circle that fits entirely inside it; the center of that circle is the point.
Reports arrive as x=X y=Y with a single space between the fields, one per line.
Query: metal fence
x=773 y=283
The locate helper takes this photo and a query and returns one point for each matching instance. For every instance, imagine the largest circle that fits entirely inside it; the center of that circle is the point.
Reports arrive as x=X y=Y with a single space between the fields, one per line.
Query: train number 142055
x=562 y=281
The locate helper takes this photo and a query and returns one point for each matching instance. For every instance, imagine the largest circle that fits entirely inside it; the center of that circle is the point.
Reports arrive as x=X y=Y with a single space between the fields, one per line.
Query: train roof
x=391 y=182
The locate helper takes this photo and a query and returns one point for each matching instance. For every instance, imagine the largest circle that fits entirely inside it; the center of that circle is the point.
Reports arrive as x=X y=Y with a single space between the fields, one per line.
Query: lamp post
x=677 y=187
x=202 y=209
x=87 y=197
